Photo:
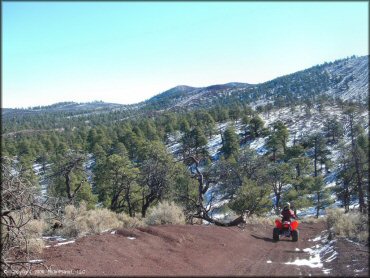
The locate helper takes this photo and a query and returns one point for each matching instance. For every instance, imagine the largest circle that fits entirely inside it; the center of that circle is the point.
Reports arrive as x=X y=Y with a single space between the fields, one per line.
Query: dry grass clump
x=266 y=221
x=33 y=236
x=28 y=238
x=79 y=222
x=352 y=225
x=165 y=213
x=130 y=222
x=312 y=220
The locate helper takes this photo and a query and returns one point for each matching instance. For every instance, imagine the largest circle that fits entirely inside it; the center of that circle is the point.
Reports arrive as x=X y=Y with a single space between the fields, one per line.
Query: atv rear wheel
x=295 y=235
x=276 y=234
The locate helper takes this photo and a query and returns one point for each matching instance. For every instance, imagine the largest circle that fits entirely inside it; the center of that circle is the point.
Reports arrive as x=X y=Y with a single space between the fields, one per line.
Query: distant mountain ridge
x=346 y=78
x=66 y=107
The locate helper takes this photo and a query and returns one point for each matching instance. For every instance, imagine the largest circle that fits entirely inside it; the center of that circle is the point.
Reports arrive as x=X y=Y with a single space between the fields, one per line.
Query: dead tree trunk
x=202 y=212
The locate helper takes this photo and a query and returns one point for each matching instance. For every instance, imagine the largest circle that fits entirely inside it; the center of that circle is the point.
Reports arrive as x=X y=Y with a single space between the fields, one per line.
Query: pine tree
x=70 y=180
x=116 y=183
x=333 y=129
x=282 y=133
x=279 y=176
x=245 y=124
x=320 y=151
x=256 y=125
x=231 y=142
x=194 y=143
x=322 y=197
x=158 y=174
x=359 y=155
x=273 y=145
x=252 y=198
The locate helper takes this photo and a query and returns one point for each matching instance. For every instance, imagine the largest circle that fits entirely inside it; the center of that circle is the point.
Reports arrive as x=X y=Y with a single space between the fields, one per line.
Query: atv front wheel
x=295 y=235
x=276 y=234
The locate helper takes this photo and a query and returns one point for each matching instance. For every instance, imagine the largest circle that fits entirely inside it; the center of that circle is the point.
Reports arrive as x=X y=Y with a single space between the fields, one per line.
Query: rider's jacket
x=287 y=214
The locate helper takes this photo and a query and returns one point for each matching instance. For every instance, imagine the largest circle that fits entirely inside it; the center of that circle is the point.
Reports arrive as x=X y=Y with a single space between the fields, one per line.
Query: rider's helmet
x=287 y=205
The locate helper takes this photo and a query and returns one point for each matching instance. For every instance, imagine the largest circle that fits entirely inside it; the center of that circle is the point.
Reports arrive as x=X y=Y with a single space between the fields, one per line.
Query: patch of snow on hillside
x=259 y=145
x=174 y=148
x=89 y=165
x=214 y=145
x=37 y=168
x=41 y=174
x=309 y=211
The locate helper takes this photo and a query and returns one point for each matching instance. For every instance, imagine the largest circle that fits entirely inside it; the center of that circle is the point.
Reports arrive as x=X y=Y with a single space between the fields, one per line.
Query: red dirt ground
x=186 y=250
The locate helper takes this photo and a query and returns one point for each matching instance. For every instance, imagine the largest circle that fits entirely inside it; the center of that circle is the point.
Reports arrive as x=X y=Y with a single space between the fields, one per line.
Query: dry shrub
x=130 y=222
x=353 y=225
x=165 y=213
x=99 y=220
x=33 y=235
x=29 y=236
x=79 y=222
x=311 y=220
x=332 y=216
x=266 y=221
x=72 y=223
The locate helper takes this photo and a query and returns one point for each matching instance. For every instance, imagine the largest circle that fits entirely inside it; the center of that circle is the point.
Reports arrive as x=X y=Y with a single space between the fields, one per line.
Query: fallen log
x=239 y=220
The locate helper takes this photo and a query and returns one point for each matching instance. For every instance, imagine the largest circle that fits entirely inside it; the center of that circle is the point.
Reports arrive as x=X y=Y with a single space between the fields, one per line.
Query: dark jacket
x=287 y=214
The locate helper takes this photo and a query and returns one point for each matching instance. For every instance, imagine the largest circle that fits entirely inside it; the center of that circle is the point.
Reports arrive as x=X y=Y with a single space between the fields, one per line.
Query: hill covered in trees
x=345 y=79
x=220 y=153
x=196 y=126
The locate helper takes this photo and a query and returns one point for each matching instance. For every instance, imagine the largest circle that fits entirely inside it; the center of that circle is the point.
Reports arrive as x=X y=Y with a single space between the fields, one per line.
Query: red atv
x=287 y=229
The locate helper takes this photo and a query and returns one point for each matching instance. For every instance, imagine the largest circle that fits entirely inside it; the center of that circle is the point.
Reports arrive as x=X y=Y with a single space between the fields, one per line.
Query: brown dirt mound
x=187 y=250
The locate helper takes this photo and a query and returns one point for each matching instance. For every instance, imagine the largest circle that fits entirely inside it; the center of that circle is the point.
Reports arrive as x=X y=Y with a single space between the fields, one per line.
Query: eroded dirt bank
x=207 y=250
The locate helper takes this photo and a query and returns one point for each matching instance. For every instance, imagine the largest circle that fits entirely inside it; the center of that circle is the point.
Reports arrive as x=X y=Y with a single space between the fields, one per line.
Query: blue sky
x=126 y=52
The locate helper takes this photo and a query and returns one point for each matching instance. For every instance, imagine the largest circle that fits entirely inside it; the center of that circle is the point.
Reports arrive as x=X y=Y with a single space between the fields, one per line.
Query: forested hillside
x=220 y=153
x=306 y=126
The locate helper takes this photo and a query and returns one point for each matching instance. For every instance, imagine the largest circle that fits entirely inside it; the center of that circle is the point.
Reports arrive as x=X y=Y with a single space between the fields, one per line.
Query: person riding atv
x=286 y=227
x=287 y=213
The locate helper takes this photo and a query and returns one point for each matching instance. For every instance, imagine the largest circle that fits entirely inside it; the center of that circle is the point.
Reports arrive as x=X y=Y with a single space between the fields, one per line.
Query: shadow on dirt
x=264 y=238
x=271 y=240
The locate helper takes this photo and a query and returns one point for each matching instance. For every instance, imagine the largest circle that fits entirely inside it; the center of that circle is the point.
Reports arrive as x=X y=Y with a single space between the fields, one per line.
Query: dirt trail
x=196 y=250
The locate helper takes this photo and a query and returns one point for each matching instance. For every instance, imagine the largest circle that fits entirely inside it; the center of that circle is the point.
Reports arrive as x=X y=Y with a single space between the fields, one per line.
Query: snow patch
x=35 y=261
x=54 y=238
x=313 y=262
x=318 y=254
x=259 y=146
x=64 y=243
x=316 y=238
